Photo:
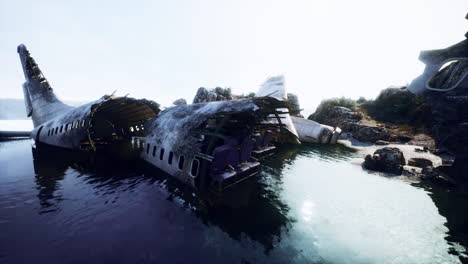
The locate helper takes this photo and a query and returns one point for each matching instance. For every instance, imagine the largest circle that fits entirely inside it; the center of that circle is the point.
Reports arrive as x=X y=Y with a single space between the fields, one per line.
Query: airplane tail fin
x=39 y=98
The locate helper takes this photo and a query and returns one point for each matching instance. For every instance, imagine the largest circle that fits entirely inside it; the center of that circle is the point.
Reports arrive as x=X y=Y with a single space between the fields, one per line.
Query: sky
x=165 y=50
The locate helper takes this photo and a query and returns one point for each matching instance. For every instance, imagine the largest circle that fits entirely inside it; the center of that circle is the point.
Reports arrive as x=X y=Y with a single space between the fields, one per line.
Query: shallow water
x=310 y=204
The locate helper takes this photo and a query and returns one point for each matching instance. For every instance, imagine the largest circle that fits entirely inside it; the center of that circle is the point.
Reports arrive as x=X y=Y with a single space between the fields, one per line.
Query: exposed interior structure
x=219 y=142
x=119 y=118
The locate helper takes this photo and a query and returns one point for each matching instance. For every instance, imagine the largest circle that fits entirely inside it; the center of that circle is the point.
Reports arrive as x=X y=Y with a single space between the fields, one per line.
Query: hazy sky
x=164 y=50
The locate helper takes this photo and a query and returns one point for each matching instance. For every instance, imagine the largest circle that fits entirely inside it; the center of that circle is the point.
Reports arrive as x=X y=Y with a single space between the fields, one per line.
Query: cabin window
x=194 y=169
x=48 y=132
x=181 y=162
x=169 y=160
x=137 y=128
x=76 y=124
x=131 y=129
x=66 y=127
x=161 y=154
x=61 y=129
x=56 y=130
x=82 y=123
x=154 y=151
x=147 y=148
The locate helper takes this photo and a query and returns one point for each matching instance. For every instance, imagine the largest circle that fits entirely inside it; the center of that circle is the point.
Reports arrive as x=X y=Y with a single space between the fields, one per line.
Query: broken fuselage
x=106 y=121
x=212 y=145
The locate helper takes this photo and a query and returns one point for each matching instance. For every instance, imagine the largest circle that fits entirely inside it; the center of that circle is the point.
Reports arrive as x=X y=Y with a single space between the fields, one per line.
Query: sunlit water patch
x=350 y=216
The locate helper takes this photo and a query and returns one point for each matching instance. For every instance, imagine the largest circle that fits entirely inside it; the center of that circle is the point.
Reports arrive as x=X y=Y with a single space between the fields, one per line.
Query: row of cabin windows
x=62 y=128
x=195 y=162
x=137 y=128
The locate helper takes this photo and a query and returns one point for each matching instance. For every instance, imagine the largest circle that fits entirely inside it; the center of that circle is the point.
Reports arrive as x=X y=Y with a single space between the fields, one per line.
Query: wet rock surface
x=386 y=159
x=420 y=162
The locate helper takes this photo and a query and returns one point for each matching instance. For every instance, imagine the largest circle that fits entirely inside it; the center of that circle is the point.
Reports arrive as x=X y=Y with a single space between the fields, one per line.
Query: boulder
x=381 y=142
x=420 y=162
x=336 y=116
x=370 y=133
x=204 y=95
x=386 y=159
x=201 y=96
x=180 y=101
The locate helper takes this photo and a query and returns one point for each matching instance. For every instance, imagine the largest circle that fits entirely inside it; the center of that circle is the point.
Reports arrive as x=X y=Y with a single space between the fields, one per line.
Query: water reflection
x=252 y=209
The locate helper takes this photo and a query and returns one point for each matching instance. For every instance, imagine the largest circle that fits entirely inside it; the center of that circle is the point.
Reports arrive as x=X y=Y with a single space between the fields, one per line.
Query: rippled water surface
x=310 y=204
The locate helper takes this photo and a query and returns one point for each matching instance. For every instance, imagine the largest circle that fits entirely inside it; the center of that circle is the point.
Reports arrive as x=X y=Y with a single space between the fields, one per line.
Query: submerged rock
x=385 y=160
x=420 y=162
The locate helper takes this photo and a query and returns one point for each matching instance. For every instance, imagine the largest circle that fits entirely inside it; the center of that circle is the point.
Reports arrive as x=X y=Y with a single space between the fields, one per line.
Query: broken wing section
x=300 y=129
x=274 y=87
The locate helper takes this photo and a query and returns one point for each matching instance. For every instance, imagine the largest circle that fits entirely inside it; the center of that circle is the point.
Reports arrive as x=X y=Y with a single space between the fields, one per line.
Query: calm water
x=310 y=204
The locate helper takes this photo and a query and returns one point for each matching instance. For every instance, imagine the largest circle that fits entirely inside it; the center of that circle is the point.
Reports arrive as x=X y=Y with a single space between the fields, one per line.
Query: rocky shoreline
x=405 y=147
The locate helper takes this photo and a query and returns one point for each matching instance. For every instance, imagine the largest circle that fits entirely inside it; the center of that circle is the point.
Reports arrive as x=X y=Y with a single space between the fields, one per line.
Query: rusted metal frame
x=121 y=107
x=112 y=101
x=279 y=122
x=145 y=111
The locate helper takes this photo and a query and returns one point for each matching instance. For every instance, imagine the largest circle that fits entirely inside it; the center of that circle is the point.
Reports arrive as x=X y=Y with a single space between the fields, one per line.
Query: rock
x=399 y=138
x=420 y=162
x=429 y=173
x=424 y=149
x=201 y=96
x=449 y=126
x=180 y=101
x=349 y=121
x=381 y=142
x=385 y=160
x=217 y=94
x=336 y=116
x=370 y=133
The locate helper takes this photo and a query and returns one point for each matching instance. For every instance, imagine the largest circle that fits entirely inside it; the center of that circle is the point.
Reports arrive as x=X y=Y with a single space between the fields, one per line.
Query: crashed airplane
x=208 y=146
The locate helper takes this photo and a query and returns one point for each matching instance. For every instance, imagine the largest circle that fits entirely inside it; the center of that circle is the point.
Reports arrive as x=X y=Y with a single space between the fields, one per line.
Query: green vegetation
x=251 y=94
x=342 y=101
x=398 y=106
